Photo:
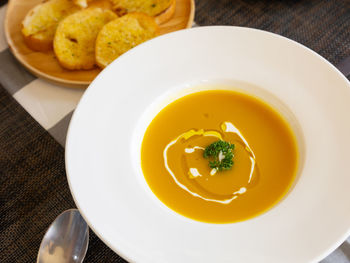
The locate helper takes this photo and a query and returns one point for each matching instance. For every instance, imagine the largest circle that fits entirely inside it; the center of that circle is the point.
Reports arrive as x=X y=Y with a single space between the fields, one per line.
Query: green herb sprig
x=212 y=152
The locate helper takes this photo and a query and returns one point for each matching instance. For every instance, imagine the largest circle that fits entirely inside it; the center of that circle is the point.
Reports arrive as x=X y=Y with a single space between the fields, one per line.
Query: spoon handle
x=344 y=66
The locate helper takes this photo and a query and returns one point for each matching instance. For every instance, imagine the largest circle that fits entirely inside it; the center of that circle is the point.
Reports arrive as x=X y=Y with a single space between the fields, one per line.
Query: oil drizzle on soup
x=194 y=166
x=265 y=156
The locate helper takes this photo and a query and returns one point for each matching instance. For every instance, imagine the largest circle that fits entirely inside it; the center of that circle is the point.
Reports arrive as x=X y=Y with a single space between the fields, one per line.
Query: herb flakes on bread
x=74 y=42
x=39 y=25
x=81 y=3
x=122 y=34
x=162 y=8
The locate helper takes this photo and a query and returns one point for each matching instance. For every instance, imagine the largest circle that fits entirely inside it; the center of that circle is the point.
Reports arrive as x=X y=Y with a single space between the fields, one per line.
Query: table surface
x=34 y=116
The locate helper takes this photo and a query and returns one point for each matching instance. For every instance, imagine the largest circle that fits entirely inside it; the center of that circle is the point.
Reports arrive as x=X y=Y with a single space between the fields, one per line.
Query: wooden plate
x=45 y=65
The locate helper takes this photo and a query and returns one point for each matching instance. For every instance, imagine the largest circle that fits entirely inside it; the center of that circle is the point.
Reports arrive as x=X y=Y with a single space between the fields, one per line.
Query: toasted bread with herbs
x=74 y=42
x=39 y=25
x=106 y=4
x=164 y=9
x=122 y=34
x=81 y=3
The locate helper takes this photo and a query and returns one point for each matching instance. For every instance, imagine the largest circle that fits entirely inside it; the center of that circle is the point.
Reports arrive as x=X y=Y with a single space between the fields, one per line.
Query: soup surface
x=263 y=161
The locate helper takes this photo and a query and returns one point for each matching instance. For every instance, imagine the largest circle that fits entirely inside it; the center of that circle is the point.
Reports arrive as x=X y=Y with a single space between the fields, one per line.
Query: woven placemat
x=34 y=189
x=323 y=26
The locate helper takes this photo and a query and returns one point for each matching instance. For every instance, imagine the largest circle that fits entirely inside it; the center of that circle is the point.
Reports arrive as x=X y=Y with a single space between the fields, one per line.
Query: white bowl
x=103 y=143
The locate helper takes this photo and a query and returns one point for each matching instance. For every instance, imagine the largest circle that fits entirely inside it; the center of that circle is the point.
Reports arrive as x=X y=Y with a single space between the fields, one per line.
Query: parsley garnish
x=220 y=155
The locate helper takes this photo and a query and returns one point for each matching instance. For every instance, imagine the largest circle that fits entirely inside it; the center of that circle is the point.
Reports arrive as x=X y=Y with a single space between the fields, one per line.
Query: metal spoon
x=66 y=240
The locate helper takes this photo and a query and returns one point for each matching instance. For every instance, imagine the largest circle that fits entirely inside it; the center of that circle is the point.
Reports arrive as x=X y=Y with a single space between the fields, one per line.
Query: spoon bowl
x=66 y=240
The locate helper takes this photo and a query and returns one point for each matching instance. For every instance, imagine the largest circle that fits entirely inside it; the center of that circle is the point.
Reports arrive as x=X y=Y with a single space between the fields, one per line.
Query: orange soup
x=219 y=156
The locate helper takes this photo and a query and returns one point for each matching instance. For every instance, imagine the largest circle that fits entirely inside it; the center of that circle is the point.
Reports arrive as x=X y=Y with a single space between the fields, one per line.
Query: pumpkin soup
x=219 y=156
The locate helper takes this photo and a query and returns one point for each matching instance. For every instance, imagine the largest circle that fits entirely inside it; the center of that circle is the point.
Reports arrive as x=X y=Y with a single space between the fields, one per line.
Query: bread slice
x=162 y=8
x=74 y=42
x=122 y=34
x=81 y=3
x=39 y=25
